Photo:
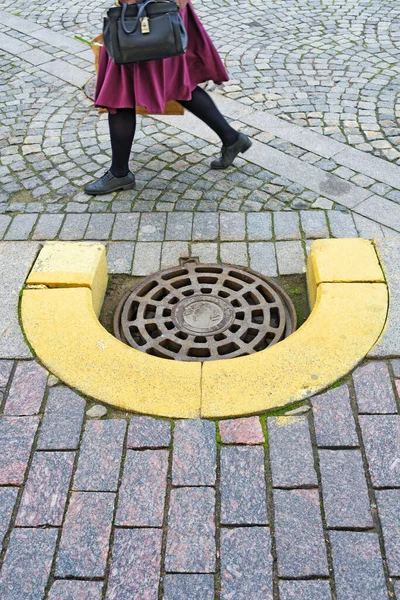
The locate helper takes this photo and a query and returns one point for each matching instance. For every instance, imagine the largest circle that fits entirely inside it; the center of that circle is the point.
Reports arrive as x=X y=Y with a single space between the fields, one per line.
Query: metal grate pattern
x=198 y=312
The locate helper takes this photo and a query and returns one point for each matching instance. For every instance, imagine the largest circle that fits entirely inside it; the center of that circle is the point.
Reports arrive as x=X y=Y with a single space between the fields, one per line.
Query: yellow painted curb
x=349 y=299
x=72 y=264
x=66 y=335
x=345 y=323
x=346 y=260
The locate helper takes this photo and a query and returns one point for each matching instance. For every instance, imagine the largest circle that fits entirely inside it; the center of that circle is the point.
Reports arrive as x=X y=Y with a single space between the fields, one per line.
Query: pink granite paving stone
x=374 y=389
x=191 y=531
x=195 y=453
x=16 y=439
x=146 y=432
x=62 y=421
x=5 y=372
x=76 y=590
x=142 y=493
x=135 y=565
x=8 y=496
x=100 y=456
x=27 y=389
x=241 y=431
x=46 y=489
x=86 y=533
x=27 y=564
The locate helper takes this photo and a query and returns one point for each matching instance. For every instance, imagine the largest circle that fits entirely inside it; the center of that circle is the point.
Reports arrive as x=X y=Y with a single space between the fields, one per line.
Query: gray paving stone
x=152 y=227
x=206 y=253
x=246 y=563
x=27 y=389
x=85 y=536
x=16 y=260
x=5 y=372
x=100 y=456
x=5 y=220
x=259 y=226
x=381 y=434
x=243 y=490
x=47 y=227
x=344 y=489
x=172 y=252
x=99 y=227
x=357 y=565
x=234 y=253
x=389 y=255
x=146 y=432
x=21 y=227
x=395 y=366
x=147 y=258
x=291 y=455
x=191 y=531
x=75 y=590
x=290 y=257
x=341 y=224
x=299 y=535
x=195 y=453
x=286 y=226
x=120 y=257
x=314 y=224
x=62 y=420
x=374 y=390
x=143 y=488
x=125 y=227
x=304 y=590
x=16 y=439
x=232 y=226
x=381 y=210
x=388 y=502
x=46 y=489
x=74 y=227
x=8 y=496
x=27 y=564
x=135 y=564
x=333 y=418
x=262 y=258
x=179 y=226
x=205 y=226
x=367 y=228
x=183 y=587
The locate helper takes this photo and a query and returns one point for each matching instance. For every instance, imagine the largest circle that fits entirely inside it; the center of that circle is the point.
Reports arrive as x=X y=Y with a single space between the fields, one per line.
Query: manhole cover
x=199 y=312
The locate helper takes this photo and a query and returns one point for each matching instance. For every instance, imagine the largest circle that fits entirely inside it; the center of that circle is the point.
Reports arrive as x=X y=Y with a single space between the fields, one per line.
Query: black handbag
x=148 y=30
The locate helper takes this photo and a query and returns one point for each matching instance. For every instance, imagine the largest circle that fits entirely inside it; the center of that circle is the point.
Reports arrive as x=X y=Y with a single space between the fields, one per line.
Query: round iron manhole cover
x=199 y=312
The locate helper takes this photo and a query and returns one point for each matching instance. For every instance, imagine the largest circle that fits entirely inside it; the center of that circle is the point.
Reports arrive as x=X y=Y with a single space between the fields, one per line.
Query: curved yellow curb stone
x=345 y=323
x=64 y=331
x=349 y=299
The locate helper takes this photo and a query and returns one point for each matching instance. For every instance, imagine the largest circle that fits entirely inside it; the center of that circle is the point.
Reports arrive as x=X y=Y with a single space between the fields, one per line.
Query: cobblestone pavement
x=299 y=505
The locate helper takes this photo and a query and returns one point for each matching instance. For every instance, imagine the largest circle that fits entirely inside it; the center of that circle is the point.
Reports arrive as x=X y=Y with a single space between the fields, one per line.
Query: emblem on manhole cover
x=199 y=312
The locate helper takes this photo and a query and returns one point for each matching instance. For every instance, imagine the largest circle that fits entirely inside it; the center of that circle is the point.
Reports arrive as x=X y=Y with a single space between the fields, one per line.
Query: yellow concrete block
x=340 y=261
x=346 y=322
x=72 y=264
x=66 y=335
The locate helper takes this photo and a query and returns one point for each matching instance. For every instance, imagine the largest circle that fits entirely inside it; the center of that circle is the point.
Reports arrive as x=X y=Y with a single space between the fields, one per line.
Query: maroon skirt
x=151 y=84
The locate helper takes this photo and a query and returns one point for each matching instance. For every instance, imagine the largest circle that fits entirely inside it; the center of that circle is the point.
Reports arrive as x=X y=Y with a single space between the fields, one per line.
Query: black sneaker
x=229 y=153
x=108 y=183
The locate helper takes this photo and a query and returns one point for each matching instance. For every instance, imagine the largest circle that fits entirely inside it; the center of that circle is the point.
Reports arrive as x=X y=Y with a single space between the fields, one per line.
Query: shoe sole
x=246 y=147
x=129 y=186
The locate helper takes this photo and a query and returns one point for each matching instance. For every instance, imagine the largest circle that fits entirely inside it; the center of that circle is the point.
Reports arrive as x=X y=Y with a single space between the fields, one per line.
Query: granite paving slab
x=374 y=389
x=27 y=390
x=8 y=496
x=195 y=453
x=182 y=587
x=16 y=259
x=16 y=439
x=75 y=590
x=333 y=418
x=62 y=421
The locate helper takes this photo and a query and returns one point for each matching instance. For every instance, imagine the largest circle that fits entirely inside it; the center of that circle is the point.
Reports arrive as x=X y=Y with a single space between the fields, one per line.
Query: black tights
x=123 y=125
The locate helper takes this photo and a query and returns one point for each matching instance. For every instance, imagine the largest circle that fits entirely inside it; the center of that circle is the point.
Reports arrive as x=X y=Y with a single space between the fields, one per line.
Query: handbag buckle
x=144 y=24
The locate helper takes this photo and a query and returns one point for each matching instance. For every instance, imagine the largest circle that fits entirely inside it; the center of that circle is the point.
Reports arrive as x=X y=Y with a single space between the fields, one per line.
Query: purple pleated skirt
x=151 y=84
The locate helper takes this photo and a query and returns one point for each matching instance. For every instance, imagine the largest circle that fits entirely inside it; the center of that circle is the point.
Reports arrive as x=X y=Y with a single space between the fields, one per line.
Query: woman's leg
x=233 y=142
x=203 y=107
x=122 y=131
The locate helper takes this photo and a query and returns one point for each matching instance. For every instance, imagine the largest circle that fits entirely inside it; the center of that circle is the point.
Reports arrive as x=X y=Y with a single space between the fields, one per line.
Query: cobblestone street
x=298 y=504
